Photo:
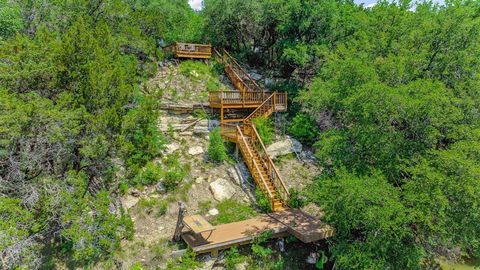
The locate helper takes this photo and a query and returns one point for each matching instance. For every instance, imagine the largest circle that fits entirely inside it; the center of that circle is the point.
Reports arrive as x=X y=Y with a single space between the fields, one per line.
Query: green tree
x=371 y=223
x=10 y=19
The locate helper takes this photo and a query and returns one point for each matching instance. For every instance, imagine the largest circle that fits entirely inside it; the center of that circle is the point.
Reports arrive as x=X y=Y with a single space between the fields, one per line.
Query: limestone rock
x=170 y=148
x=201 y=127
x=222 y=189
x=213 y=212
x=284 y=147
x=196 y=150
x=234 y=174
x=199 y=180
x=129 y=201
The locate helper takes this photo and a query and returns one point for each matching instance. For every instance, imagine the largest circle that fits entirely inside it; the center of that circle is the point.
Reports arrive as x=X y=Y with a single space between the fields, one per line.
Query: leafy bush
x=216 y=149
x=232 y=258
x=232 y=211
x=295 y=200
x=265 y=129
x=187 y=262
x=304 y=128
x=263 y=201
x=174 y=171
x=149 y=175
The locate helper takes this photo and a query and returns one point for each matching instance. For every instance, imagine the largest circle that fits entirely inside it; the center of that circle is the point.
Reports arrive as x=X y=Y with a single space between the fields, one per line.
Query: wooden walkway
x=295 y=222
x=201 y=236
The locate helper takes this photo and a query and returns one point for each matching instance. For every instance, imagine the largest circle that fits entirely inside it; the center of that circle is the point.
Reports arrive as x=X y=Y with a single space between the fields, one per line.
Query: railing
x=236 y=97
x=189 y=49
x=269 y=166
x=237 y=75
x=229 y=130
x=252 y=164
x=280 y=101
x=262 y=110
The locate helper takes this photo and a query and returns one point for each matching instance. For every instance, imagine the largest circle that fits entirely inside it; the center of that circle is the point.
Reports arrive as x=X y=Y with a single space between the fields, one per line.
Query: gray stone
x=170 y=148
x=213 y=212
x=199 y=180
x=201 y=127
x=234 y=174
x=160 y=188
x=284 y=147
x=222 y=189
x=129 y=201
x=196 y=150
x=312 y=258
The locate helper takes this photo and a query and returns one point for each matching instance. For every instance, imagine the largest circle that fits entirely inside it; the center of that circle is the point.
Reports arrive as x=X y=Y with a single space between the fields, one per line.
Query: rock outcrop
x=222 y=189
x=284 y=147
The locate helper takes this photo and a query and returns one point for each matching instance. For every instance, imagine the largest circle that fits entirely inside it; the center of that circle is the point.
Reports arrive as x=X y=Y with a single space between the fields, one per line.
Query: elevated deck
x=190 y=50
x=253 y=99
x=295 y=222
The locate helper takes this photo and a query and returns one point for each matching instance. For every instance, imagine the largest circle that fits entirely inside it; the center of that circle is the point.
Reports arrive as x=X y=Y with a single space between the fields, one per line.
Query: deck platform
x=294 y=221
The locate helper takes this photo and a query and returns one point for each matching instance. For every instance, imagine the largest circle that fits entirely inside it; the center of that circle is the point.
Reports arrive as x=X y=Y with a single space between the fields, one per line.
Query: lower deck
x=280 y=224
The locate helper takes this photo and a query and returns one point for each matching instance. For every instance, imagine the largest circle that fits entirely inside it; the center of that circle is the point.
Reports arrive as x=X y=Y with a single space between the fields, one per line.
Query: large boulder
x=284 y=147
x=222 y=189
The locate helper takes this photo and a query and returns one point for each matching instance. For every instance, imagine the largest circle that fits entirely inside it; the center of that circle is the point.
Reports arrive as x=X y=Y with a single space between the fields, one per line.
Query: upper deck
x=190 y=50
x=251 y=99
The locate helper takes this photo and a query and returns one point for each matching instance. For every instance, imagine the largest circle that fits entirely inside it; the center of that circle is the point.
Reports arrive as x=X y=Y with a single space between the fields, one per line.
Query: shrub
x=295 y=200
x=304 y=128
x=263 y=201
x=151 y=205
x=232 y=211
x=150 y=174
x=233 y=257
x=216 y=149
x=175 y=172
x=265 y=129
x=194 y=69
x=187 y=262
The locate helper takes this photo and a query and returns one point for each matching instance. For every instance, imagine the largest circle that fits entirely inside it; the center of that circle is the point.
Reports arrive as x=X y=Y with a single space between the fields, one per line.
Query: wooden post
x=178 y=229
x=275 y=101
x=221 y=120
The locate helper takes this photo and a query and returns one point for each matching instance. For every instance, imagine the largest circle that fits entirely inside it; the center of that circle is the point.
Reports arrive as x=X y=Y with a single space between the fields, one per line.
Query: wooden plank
x=198 y=224
x=235 y=233
x=303 y=226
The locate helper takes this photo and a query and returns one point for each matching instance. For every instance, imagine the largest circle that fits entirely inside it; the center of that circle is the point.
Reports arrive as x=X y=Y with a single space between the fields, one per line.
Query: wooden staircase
x=243 y=132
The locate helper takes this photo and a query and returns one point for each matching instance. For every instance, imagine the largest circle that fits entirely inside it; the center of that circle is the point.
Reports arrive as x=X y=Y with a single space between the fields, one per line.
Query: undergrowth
x=232 y=211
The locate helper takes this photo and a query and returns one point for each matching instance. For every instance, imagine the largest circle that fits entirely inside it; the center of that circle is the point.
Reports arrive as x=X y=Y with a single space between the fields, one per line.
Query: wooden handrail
x=274 y=173
x=243 y=71
x=252 y=159
x=250 y=116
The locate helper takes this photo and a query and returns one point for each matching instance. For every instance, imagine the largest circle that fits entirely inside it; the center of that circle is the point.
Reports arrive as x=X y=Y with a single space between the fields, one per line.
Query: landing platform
x=295 y=222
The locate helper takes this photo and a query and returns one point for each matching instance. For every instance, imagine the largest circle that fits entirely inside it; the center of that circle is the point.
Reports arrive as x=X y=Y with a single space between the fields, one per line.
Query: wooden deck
x=190 y=50
x=295 y=222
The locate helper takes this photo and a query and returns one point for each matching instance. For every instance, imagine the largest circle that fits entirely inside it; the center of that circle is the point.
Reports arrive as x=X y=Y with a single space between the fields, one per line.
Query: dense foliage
x=390 y=102
x=72 y=113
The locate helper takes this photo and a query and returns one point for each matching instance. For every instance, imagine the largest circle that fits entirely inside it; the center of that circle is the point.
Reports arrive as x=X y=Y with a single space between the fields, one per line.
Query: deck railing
x=180 y=49
x=237 y=75
x=237 y=97
x=269 y=166
x=252 y=165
